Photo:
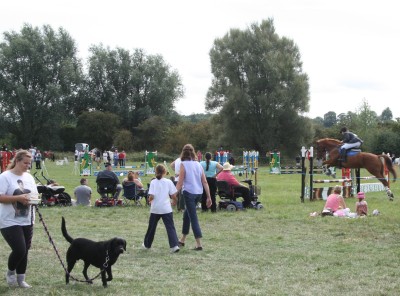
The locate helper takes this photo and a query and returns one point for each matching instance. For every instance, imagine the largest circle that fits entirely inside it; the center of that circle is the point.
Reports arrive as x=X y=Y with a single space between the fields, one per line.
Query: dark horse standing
x=371 y=162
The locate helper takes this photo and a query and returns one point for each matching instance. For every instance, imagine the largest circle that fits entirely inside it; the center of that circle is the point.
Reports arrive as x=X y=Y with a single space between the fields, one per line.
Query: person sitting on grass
x=361 y=205
x=334 y=202
x=83 y=193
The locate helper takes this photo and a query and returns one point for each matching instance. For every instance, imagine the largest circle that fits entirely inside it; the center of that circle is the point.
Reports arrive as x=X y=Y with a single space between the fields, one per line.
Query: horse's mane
x=328 y=140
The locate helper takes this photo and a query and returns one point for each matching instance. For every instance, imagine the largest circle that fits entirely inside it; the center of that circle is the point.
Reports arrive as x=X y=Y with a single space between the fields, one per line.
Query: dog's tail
x=64 y=231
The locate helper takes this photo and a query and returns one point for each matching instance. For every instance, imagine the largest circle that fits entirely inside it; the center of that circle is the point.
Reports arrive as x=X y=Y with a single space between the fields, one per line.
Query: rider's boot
x=343 y=155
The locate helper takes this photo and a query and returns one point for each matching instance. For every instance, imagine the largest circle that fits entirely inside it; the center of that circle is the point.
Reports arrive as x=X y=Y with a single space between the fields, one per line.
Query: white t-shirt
x=16 y=213
x=177 y=168
x=161 y=190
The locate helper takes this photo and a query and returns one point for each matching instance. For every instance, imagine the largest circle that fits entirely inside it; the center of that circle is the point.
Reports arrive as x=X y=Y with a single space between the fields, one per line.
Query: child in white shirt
x=161 y=192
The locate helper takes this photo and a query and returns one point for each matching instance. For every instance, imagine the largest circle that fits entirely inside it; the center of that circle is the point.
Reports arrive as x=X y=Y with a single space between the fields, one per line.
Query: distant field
x=279 y=250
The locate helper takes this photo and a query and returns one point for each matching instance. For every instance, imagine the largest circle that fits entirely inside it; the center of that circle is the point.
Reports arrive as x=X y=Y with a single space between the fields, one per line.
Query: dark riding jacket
x=349 y=137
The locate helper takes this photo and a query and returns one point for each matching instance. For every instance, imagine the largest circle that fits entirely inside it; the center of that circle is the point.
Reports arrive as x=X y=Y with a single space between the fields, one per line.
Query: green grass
x=279 y=250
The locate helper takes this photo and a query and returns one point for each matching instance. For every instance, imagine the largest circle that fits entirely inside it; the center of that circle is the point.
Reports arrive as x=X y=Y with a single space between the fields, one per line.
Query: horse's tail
x=389 y=166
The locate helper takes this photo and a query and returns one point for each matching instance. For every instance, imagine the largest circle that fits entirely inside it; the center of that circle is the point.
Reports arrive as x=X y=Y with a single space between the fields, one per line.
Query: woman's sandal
x=181 y=244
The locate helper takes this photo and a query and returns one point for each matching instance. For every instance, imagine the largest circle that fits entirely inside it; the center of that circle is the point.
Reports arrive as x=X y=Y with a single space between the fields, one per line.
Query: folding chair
x=132 y=193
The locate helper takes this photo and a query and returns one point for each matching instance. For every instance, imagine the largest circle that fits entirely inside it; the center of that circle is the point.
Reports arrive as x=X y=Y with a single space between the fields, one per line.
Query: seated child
x=361 y=205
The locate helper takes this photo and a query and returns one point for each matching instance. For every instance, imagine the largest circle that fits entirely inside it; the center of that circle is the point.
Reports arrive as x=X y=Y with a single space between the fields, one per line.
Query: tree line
x=258 y=95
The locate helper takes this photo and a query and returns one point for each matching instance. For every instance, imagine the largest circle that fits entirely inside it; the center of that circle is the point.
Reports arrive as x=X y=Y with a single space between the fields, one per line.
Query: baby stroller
x=107 y=187
x=52 y=195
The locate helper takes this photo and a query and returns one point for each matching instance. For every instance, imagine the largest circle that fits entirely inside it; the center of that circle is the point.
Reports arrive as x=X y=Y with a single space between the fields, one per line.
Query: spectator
x=199 y=156
x=211 y=170
x=226 y=175
x=83 y=193
x=17 y=187
x=32 y=150
x=334 y=202
x=122 y=158
x=116 y=157
x=133 y=177
x=361 y=205
x=108 y=173
x=38 y=159
x=192 y=179
x=97 y=157
x=110 y=155
x=105 y=156
x=161 y=192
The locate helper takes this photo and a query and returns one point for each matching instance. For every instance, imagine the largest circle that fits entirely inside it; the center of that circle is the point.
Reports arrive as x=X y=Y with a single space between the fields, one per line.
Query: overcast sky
x=349 y=48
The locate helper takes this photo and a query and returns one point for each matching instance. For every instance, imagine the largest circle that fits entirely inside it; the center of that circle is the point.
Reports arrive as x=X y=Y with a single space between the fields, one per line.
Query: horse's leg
x=382 y=179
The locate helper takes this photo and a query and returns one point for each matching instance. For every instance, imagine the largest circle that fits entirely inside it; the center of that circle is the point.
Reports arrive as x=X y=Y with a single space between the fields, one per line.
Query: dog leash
x=105 y=264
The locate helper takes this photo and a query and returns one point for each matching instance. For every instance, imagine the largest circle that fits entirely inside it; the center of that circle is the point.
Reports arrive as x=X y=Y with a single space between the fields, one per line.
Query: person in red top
x=226 y=175
x=122 y=158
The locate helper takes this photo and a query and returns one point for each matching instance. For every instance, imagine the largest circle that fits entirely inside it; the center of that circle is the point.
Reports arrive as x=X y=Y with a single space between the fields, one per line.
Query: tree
x=124 y=140
x=134 y=85
x=330 y=119
x=386 y=115
x=39 y=74
x=259 y=88
x=98 y=129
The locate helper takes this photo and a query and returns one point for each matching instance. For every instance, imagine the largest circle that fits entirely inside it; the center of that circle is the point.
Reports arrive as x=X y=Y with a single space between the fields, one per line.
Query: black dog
x=100 y=254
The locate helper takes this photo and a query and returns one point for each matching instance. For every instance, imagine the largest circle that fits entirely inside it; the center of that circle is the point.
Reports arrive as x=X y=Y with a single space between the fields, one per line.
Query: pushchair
x=52 y=195
x=107 y=187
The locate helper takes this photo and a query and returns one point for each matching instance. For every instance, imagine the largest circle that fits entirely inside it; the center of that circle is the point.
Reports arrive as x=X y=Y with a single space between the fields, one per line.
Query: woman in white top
x=17 y=186
x=192 y=179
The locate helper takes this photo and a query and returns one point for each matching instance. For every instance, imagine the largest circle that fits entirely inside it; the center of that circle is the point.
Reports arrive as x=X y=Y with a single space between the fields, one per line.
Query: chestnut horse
x=371 y=162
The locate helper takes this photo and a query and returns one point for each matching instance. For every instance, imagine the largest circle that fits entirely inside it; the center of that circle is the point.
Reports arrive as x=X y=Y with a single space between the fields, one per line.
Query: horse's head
x=326 y=145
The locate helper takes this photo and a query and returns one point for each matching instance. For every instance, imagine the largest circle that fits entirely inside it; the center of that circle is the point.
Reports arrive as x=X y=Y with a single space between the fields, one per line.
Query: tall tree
x=39 y=73
x=259 y=88
x=134 y=85
x=386 y=115
x=330 y=119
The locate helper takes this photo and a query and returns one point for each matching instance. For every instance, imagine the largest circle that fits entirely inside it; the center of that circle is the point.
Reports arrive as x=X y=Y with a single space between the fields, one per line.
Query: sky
x=349 y=49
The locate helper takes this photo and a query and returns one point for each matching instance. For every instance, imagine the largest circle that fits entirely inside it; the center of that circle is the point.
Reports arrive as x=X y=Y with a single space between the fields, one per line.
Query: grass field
x=279 y=250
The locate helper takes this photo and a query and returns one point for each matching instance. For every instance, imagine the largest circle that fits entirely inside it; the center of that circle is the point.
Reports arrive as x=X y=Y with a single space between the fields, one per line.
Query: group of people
x=191 y=181
x=195 y=181
x=115 y=157
x=336 y=206
x=214 y=172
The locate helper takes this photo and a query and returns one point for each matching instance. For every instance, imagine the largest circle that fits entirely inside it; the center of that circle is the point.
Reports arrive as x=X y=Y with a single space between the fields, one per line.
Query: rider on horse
x=350 y=140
